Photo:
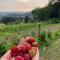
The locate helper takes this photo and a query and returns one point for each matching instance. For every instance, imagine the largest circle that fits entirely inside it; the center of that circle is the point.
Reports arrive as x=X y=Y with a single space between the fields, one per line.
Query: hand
x=7 y=56
x=36 y=57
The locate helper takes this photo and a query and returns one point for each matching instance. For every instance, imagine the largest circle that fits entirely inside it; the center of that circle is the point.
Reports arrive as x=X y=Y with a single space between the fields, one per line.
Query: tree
x=55 y=10
x=7 y=19
x=50 y=11
x=42 y=13
x=51 y=1
x=26 y=19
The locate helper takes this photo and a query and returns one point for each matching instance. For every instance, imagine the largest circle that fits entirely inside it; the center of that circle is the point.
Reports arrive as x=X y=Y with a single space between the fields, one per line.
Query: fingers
x=36 y=57
x=6 y=56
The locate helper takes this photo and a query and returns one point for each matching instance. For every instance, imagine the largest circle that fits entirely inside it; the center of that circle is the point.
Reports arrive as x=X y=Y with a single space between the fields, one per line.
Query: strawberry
x=14 y=51
x=23 y=49
x=34 y=48
x=21 y=54
x=35 y=44
x=30 y=40
x=27 y=57
x=19 y=58
x=33 y=51
x=28 y=46
x=22 y=41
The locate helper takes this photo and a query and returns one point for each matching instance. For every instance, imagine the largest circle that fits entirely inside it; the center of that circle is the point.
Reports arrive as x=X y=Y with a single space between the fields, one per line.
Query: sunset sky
x=21 y=5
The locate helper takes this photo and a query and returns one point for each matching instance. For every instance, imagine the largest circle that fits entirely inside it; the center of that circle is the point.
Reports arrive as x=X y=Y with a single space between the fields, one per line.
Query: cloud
x=23 y=1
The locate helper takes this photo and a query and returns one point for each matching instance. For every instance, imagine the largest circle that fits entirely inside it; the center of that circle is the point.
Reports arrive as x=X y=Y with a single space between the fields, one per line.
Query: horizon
x=21 y=5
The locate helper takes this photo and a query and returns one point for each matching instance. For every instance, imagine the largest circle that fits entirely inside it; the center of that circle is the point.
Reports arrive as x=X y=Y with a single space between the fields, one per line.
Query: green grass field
x=52 y=52
x=9 y=33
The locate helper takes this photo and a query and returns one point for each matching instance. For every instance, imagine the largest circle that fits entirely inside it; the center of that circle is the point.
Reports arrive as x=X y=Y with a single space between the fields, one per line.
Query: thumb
x=36 y=57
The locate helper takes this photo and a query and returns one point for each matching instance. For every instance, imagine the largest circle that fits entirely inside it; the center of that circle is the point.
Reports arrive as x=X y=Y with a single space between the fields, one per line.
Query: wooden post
x=39 y=29
x=39 y=25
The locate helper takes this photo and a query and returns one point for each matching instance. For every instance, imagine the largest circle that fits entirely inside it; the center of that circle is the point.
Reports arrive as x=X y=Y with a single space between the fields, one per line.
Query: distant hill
x=15 y=14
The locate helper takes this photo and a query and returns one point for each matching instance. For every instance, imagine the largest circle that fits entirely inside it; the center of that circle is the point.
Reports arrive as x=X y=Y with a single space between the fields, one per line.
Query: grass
x=11 y=33
x=52 y=52
x=8 y=30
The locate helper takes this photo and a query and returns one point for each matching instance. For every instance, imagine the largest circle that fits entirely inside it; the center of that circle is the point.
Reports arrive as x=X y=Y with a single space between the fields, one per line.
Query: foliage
x=48 y=12
x=7 y=19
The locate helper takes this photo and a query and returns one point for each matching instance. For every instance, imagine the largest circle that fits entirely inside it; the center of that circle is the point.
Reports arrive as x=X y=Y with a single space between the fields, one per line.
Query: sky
x=21 y=5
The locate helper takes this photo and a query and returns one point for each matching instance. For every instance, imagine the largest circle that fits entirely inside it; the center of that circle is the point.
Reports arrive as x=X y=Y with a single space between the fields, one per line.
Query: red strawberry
x=14 y=51
x=28 y=46
x=21 y=54
x=30 y=40
x=35 y=44
x=23 y=49
x=27 y=57
x=19 y=58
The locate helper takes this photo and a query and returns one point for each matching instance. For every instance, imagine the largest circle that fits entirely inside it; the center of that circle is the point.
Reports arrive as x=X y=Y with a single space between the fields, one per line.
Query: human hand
x=7 y=56
x=36 y=57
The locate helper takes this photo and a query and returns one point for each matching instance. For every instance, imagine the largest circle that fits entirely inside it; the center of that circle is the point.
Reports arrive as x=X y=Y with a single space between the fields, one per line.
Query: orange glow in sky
x=21 y=5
